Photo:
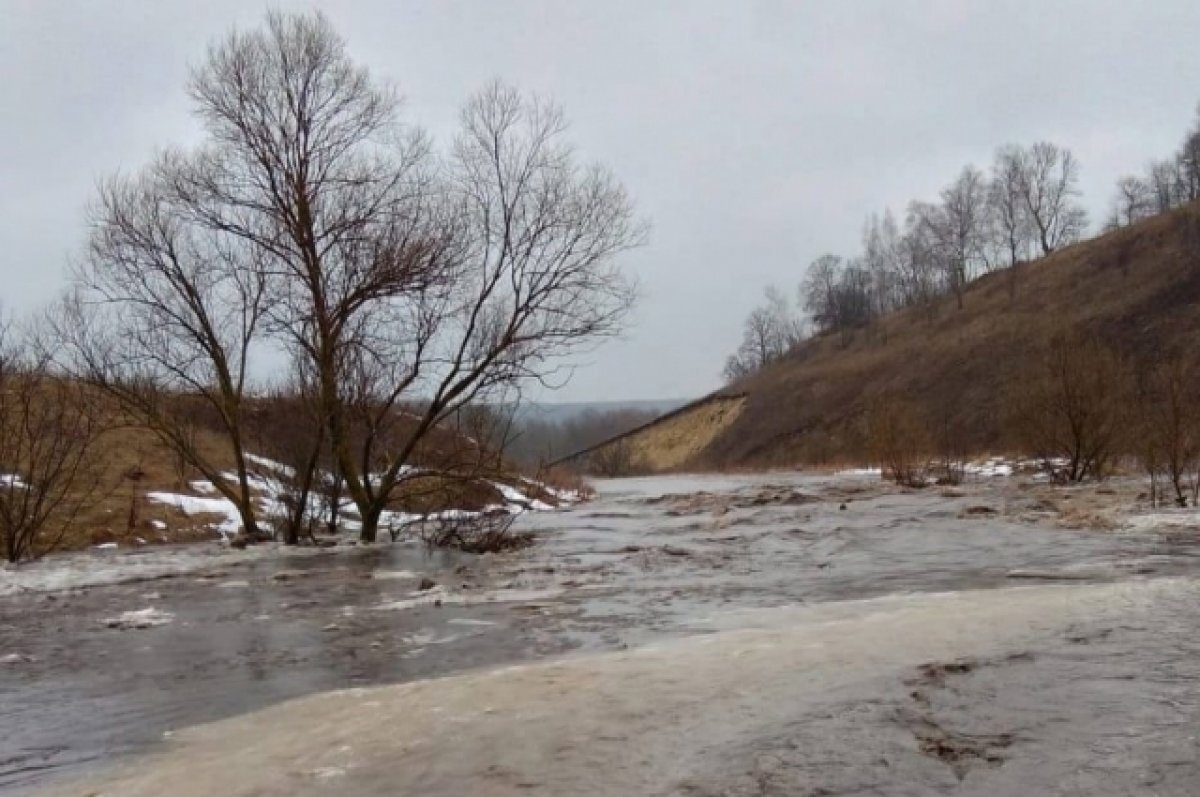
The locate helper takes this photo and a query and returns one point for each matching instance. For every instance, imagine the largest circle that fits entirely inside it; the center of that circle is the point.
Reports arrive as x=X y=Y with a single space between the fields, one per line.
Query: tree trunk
x=249 y=523
x=335 y=502
x=370 y=524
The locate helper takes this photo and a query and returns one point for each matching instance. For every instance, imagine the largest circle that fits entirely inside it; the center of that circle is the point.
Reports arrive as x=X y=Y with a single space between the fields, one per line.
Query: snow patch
x=141 y=618
x=271 y=465
x=518 y=501
x=393 y=575
x=990 y=468
x=876 y=472
x=1163 y=519
x=193 y=505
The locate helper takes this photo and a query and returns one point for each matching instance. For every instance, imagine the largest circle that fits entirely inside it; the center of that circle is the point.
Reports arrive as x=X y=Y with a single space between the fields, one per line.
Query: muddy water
x=241 y=637
x=661 y=562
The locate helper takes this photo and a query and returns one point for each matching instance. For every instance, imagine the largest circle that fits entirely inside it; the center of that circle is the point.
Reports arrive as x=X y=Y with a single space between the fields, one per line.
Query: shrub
x=898 y=440
x=488 y=532
x=1072 y=410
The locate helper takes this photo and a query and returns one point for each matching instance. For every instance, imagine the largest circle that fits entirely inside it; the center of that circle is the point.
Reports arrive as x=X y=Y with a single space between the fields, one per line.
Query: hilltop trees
x=960 y=226
x=1133 y=202
x=838 y=295
x=980 y=222
x=405 y=283
x=770 y=331
x=1049 y=182
x=1006 y=200
x=1167 y=183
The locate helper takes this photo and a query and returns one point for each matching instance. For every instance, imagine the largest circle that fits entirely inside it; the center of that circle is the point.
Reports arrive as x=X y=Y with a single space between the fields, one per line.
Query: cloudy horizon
x=754 y=137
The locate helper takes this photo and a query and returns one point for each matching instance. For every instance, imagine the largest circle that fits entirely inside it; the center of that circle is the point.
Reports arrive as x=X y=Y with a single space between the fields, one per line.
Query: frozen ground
x=759 y=634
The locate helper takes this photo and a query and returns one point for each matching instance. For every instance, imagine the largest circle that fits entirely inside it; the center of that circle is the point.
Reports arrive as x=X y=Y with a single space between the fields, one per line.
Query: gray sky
x=754 y=135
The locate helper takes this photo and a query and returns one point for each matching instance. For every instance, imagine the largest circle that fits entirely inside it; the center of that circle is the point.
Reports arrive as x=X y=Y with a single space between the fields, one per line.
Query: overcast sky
x=755 y=136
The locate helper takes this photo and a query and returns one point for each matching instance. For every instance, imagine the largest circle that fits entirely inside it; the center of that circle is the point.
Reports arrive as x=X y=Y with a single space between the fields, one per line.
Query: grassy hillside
x=1137 y=289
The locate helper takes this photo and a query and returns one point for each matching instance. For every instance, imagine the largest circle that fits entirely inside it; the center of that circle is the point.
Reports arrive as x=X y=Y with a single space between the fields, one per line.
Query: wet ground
x=1096 y=691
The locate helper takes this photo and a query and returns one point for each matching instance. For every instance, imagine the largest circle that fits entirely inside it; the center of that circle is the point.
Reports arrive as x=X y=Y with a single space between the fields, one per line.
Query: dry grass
x=137 y=463
x=1138 y=289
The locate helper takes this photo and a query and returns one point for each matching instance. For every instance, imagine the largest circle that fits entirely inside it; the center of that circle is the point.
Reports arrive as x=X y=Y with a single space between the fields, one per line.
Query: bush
x=1072 y=411
x=489 y=532
x=898 y=440
x=1168 y=429
x=612 y=460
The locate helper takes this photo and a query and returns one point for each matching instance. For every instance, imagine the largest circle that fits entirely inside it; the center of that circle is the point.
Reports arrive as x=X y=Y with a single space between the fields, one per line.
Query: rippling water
x=1098 y=704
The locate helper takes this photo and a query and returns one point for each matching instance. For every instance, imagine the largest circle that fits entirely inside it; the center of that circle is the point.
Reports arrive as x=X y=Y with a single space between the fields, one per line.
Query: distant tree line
x=771 y=330
x=1166 y=184
x=1026 y=206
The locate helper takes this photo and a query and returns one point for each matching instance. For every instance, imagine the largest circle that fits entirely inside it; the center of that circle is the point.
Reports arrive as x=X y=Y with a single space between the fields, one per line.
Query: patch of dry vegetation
x=1136 y=290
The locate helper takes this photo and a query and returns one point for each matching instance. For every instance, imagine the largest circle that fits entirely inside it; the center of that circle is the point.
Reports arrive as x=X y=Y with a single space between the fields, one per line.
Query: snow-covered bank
x=665 y=719
x=269 y=486
x=107 y=564
x=986 y=468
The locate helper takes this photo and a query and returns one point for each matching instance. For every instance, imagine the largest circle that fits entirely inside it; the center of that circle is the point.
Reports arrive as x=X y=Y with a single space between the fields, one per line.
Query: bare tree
x=920 y=267
x=533 y=278
x=838 y=295
x=1133 y=202
x=1009 y=215
x=1168 y=427
x=288 y=432
x=167 y=308
x=411 y=285
x=1163 y=180
x=1049 y=185
x=612 y=460
x=770 y=332
x=1071 y=410
x=961 y=229
x=1188 y=168
x=882 y=254
x=820 y=291
x=898 y=439
x=51 y=460
x=1007 y=201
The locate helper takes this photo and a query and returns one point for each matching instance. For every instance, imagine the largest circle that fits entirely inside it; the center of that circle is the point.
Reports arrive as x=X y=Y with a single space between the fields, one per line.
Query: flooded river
x=767 y=634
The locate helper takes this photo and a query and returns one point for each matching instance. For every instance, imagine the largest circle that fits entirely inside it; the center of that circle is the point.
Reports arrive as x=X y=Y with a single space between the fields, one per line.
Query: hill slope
x=1137 y=288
